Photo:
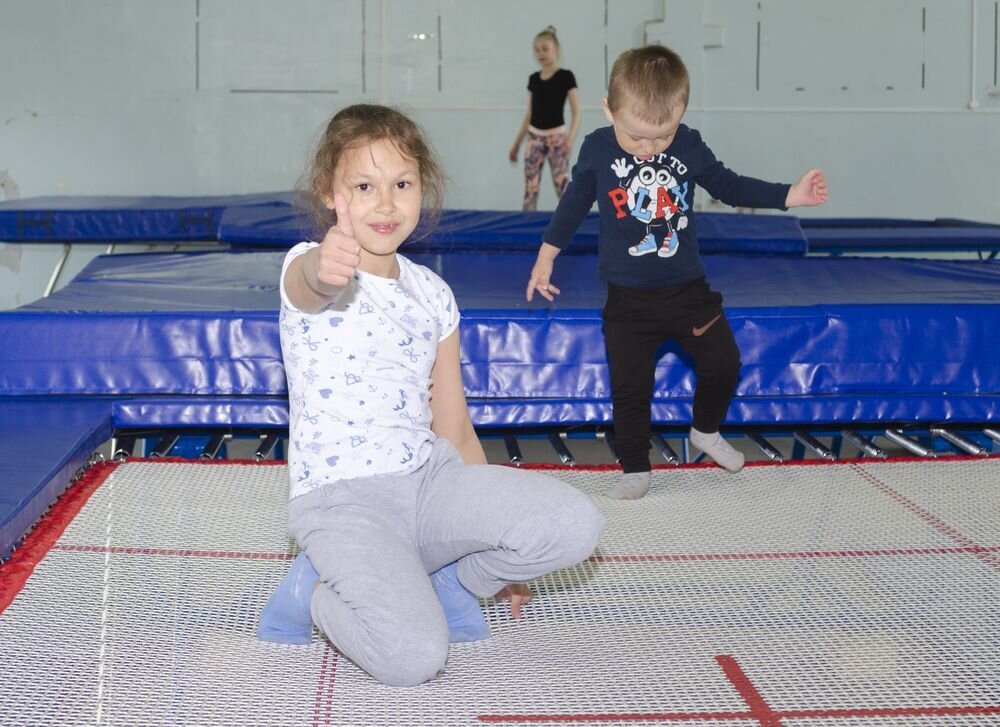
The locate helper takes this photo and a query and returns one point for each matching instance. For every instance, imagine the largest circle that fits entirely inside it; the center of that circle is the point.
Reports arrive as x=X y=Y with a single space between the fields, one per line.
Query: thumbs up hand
x=339 y=254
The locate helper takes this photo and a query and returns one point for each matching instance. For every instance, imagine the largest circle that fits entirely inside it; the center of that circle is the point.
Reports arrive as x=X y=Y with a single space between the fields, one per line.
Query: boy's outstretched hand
x=541 y=274
x=809 y=191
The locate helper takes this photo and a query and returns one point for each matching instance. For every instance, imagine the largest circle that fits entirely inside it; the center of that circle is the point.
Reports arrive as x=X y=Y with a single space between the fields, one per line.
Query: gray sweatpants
x=374 y=540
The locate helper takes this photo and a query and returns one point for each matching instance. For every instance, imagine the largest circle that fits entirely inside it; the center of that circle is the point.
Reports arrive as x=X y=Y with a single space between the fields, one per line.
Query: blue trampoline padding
x=43 y=442
x=747 y=410
x=279 y=225
x=810 y=329
x=893 y=235
x=272 y=413
x=118 y=219
x=250 y=412
x=270 y=220
x=907 y=239
x=811 y=223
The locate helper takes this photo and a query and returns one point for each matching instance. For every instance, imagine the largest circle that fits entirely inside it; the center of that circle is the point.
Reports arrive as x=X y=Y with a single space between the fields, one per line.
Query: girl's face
x=384 y=195
x=546 y=52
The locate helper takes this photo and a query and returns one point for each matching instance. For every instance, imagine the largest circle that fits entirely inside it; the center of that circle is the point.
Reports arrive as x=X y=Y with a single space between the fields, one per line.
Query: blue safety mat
x=852 y=235
x=821 y=339
x=118 y=219
x=43 y=442
x=271 y=220
x=280 y=225
x=191 y=340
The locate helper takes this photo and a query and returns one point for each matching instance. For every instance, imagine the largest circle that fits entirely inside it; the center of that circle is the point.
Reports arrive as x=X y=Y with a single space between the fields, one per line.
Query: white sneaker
x=631 y=487
x=716 y=447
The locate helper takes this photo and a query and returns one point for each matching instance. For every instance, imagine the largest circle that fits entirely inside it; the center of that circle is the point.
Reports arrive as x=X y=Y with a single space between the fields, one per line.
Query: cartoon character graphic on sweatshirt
x=654 y=197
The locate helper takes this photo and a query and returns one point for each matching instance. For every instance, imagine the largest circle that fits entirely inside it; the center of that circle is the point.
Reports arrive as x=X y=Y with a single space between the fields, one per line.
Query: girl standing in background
x=544 y=123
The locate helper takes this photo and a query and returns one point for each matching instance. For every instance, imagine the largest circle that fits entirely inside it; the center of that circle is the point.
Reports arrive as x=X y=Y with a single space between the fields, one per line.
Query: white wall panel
x=894 y=98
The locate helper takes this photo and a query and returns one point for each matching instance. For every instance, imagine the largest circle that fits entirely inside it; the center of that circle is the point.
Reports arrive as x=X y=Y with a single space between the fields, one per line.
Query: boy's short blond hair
x=650 y=82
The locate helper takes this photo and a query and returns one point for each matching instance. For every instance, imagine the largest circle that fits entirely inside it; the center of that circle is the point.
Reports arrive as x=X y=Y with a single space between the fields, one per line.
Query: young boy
x=642 y=171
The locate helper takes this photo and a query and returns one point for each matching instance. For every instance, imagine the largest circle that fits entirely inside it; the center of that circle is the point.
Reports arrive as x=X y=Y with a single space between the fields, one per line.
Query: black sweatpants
x=636 y=323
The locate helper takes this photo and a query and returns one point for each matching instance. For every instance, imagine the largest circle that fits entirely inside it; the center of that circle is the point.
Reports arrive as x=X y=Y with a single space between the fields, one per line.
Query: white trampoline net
x=839 y=595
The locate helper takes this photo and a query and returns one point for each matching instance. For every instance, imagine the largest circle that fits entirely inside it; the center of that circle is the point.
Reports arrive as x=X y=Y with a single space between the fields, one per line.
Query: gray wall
x=896 y=99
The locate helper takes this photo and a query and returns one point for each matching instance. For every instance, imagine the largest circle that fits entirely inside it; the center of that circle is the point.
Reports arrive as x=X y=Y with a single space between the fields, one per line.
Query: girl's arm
x=521 y=132
x=451 y=421
x=315 y=278
x=574 y=124
x=449 y=411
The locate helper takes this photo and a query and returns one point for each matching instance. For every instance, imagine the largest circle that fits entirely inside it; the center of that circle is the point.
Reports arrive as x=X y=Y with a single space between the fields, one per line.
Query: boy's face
x=639 y=138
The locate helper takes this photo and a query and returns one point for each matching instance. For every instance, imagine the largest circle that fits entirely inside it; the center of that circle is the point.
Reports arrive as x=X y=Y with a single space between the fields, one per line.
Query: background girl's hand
x=514 y=150
x=809 y=191
x=339 y=253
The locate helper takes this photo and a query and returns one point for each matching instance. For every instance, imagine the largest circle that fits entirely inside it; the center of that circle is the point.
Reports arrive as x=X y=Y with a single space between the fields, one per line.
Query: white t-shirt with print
x=359 y=375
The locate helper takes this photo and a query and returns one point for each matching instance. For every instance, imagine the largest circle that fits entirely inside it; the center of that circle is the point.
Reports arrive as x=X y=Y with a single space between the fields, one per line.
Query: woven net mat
x=847 y=595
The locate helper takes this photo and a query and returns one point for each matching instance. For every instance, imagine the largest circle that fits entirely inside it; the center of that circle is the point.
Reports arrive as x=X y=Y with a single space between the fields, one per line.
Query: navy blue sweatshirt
x=647 y=231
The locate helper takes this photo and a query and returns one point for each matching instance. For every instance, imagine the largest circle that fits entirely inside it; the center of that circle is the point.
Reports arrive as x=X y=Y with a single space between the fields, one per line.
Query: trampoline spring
x=608 y=436
x=897 y=437
x=514 y=455
x=122 y=448
x=214 y=444
x=565 y=456
x=766 y=448
x=992 y=434
x=864 y=445
x=665 y=450
x=814 y=444
x=166 y=443
x=959 y=442
x=268 y=441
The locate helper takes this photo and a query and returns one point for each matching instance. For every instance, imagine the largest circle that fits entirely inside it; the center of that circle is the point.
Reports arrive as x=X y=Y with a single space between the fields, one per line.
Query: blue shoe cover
x=286 y=617
x=461 y=608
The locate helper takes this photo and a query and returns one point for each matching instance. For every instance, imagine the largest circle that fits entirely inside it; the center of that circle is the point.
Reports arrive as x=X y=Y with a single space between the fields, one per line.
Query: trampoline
x=843 y=594
x=838 y=590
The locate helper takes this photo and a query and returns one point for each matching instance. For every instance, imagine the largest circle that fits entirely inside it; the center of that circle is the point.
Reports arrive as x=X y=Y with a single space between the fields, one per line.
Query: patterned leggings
x=537 y=148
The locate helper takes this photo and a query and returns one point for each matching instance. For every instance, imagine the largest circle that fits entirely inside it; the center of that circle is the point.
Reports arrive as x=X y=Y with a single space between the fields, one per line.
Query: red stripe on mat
x=780 y=555
x=323 y=706
x=48 y=530
x=787 y=463
x=42 y=538
x=760 y=711
x=985 y=554
x=759 y=708
x=861 y=712
x=184 y=552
